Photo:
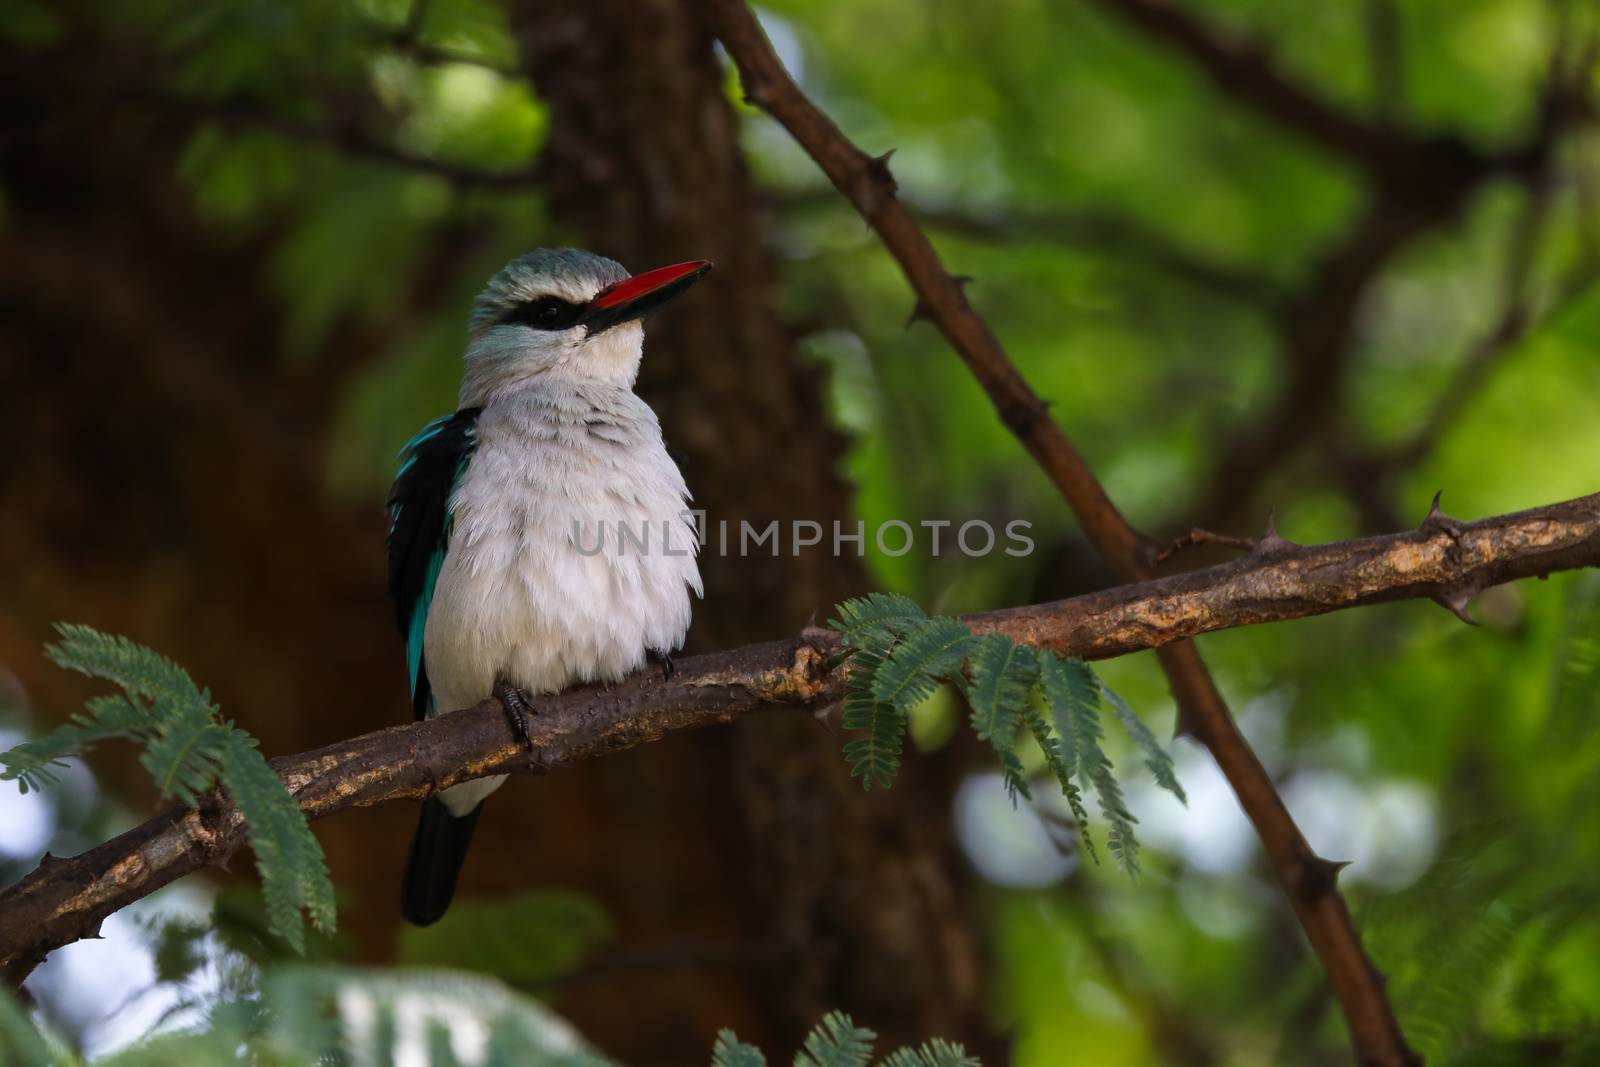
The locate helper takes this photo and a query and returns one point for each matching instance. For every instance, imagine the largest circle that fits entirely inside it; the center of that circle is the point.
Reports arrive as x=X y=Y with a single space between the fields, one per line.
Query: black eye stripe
x=544 y=313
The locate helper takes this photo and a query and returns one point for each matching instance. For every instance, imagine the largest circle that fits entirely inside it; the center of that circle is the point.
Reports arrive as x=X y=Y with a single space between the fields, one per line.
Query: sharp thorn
x=1183 y=726
x=1318 y=876
x=919 y=313
x=1437 y=520
x=878 y=168
x=1455 y=603
x=1270 y=543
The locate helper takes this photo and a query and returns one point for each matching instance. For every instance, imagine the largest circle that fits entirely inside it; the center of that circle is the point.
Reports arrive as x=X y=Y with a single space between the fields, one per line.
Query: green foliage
x=926 y=652
x=935 y=1053
x=1001 y=675
x=22 y=1045
x=1079 y=723
x=303 y=1015
x=898 y=657
x=729 y=1051
x=1061 y=684
x=875 y=757
x=308 y=1015
x=1156 y=757
x=525 y=941
x=365 y=1016
x=837 y=1041
x=188 y=751
x=1479 y=951
x=876 y=619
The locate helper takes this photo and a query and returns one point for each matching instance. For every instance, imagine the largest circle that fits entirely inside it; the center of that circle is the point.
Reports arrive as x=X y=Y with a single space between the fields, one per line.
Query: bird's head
x=564 y=314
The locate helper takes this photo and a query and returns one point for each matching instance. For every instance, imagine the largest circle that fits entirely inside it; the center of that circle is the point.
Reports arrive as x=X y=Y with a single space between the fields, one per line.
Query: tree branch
x=1406 y=163
x=1017 y=225
x=342 y=135
x=1307 y=879
x=66 y=899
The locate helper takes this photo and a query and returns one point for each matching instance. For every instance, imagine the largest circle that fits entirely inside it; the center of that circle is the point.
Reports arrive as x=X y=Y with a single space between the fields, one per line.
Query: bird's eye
x=544 y=313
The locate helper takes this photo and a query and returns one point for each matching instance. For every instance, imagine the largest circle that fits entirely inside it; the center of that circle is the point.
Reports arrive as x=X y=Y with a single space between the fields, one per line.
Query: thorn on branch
x=1317 y=876
x=877 y=191
x=878 y=169
x=1436 y=521
x=1270 y=543
x=1455 y=601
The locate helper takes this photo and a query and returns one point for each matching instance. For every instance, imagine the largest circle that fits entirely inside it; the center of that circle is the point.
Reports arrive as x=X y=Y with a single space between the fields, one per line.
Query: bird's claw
x=664 y=658
x=519 y=711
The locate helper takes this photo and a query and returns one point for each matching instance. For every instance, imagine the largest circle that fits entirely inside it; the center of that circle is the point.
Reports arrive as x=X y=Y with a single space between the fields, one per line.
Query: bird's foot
x=656 y=655
x=519 y=710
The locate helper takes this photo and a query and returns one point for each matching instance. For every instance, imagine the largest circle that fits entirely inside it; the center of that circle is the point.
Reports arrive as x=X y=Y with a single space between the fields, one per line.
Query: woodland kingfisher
x=521 y=558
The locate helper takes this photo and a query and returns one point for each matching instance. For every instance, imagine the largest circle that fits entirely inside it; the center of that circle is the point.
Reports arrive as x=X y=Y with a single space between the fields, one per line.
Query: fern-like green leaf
x=31 y=764
x=137 y=669
x=1156 y=757
x=935 y=1053
x=184 y=756
x=875 y=758
x=1050 y=674
x=1073 y=693
x=877 y=619
x=1003 y=673
x=836 y=1042
x=729 y=1051
x=294 y=875
x=1015 y=776
x=929 y=651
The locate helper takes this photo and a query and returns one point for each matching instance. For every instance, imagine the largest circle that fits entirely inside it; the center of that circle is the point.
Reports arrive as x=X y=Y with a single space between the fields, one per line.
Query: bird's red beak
x=635 y=297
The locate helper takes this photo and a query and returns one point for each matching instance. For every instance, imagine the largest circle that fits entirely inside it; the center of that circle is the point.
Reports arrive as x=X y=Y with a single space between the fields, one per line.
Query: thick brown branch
x=66 y=899
x=1204 y=715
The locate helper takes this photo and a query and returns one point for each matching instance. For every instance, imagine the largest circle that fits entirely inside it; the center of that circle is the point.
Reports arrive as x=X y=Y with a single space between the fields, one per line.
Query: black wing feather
x=419 y=530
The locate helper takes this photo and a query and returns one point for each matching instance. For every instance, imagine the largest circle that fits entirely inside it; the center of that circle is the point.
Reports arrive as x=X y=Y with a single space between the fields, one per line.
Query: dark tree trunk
x=859 y=895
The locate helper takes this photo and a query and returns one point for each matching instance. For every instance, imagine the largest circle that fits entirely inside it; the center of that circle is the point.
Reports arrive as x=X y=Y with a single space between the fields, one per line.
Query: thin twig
x=1064 y=226
x=1308 y=879
x=66 y=899
x=1198 y=536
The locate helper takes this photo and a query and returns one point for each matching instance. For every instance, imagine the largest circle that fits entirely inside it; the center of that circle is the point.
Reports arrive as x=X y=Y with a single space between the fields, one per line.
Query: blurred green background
x=238 y=241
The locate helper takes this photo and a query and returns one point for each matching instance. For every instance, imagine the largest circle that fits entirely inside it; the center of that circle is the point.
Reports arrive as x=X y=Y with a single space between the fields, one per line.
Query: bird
x=514 y=546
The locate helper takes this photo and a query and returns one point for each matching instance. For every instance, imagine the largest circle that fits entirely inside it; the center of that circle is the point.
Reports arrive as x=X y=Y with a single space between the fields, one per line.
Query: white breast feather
x=516 y=597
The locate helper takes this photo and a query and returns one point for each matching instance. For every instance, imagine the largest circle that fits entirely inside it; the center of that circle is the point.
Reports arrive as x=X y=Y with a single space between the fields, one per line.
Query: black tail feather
x=438 y=849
